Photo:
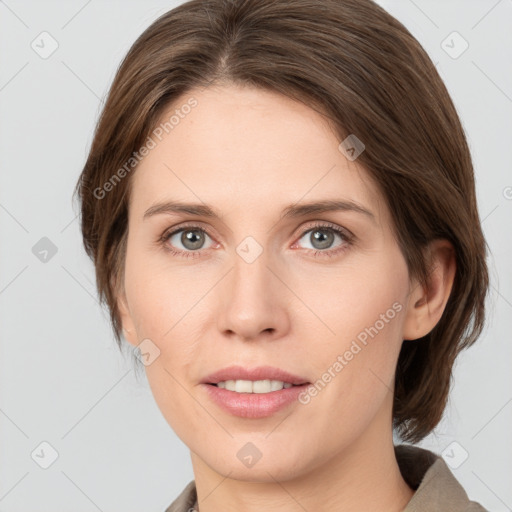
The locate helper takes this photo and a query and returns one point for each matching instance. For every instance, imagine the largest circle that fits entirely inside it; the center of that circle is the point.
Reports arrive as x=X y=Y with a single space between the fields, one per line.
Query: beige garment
x=436 y=488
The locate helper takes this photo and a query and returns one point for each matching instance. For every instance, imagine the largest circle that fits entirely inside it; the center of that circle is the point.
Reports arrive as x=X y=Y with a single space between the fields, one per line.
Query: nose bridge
x=251 y=275
x=250 y=301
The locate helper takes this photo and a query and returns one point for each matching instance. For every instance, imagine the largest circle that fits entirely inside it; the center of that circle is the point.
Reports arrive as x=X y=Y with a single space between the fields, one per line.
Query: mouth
x=262 y=379
x=254 y=399
x=257 y=386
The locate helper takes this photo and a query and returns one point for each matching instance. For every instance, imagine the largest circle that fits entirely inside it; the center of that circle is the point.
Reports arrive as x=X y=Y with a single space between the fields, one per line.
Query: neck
x=363 y=476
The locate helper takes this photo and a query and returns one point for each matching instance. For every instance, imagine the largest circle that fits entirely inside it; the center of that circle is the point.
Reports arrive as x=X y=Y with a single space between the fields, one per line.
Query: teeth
x=257 y=386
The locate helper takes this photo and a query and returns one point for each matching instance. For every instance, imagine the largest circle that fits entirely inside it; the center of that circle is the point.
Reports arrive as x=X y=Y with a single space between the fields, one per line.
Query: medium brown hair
x=364 y=71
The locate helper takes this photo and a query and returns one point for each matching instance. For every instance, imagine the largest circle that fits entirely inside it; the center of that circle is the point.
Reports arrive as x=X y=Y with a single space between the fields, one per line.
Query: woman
x=280 y=205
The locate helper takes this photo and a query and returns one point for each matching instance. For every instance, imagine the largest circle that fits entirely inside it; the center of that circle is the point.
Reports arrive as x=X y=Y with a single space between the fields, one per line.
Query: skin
x=249 y=153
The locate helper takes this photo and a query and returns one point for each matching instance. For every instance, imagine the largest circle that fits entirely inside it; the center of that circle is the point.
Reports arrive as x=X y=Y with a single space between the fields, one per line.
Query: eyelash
x=329 y=253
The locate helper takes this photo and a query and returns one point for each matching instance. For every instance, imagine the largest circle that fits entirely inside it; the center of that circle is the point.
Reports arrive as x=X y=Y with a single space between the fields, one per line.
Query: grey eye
x=191 y=239
x=321 y=238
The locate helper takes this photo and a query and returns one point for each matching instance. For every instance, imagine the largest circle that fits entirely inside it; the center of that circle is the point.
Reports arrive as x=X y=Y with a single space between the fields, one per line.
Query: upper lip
x=258 y=373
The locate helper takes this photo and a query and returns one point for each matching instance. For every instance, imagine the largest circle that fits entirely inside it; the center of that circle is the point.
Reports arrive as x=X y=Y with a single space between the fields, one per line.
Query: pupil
x=192 y=239
x=324 y=238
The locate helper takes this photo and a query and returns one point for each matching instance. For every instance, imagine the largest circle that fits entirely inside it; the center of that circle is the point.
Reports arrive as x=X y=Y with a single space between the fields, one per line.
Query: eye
x=322 y=237
x=189 y=241
x=186 y=240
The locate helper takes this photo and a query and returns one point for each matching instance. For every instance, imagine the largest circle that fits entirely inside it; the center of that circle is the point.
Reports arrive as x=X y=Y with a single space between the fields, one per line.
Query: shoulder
x=436 y=488
x=186 y=499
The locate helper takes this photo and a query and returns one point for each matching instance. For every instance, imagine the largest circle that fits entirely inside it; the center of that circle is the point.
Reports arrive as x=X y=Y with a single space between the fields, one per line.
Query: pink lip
x=258 y=373
x=253 y=405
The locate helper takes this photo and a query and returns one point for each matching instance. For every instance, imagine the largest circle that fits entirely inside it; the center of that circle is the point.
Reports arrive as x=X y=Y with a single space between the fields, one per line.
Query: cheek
x=355 y=299
x=160 y=297
x=364 y=310
x=162 y=307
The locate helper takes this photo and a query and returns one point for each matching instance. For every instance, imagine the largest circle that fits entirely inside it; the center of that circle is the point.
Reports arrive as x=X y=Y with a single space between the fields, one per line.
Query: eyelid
x=326 y=225
x=191 y=225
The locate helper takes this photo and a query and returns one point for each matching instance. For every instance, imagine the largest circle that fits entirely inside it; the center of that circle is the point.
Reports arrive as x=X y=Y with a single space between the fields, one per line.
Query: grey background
x=62 y=378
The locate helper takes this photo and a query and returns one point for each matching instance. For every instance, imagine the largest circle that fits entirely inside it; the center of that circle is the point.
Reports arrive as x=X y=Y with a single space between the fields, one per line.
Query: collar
x=436 y=488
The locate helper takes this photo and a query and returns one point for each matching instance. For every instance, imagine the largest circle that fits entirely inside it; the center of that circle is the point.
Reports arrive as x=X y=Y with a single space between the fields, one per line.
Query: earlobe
x=126 y=320
x=427 y=302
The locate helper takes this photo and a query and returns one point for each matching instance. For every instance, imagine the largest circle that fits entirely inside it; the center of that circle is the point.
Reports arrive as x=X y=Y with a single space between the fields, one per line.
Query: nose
x=252 y=301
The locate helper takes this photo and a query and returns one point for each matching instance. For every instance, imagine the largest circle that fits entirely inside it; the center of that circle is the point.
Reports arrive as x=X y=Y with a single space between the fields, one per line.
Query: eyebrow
x=291 y=211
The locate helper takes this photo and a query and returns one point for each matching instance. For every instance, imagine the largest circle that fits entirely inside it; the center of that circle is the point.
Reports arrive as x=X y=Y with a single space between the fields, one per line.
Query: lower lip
x=254 y=405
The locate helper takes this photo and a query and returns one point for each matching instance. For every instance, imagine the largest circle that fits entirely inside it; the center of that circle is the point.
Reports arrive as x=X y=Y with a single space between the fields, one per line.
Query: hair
x=362 y=69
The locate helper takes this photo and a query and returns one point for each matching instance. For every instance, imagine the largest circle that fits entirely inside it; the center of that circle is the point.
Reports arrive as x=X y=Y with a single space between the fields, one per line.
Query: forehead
x=246 y=145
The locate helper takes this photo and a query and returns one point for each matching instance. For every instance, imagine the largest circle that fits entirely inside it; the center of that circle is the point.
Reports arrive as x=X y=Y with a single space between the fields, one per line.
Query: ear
x=129 y=332
x=427 y=302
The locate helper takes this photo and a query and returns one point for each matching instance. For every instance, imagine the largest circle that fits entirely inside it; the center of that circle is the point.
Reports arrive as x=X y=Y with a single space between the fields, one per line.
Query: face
x=321 y=294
